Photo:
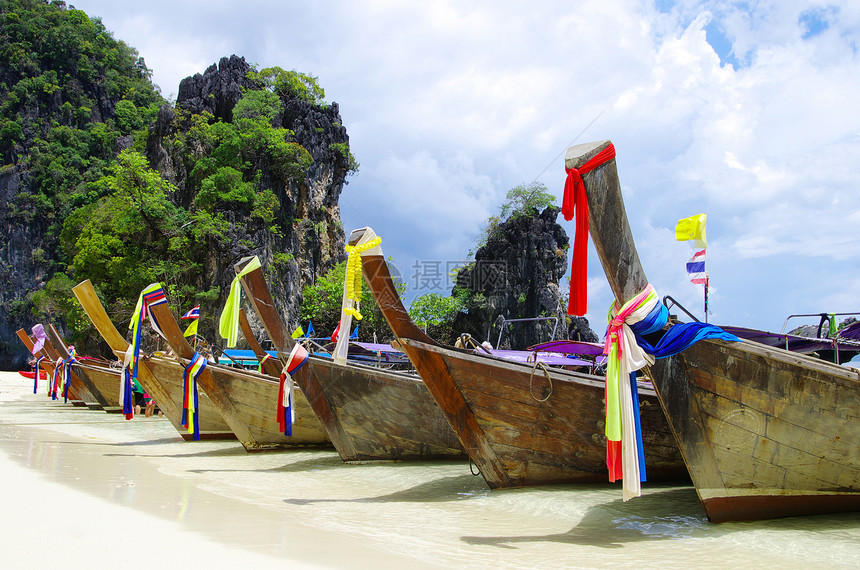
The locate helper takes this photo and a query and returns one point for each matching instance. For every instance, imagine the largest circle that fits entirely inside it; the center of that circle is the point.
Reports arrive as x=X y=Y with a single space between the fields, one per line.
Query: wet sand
x=90 y=489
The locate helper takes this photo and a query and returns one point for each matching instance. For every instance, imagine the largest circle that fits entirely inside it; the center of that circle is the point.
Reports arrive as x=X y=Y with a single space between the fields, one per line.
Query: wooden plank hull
x=254 y=399
x=165 y=389
x=764 y=432
x=79 y=384
x=105 y=380
x=378 y=414
x=368 y=413
x=522 y=428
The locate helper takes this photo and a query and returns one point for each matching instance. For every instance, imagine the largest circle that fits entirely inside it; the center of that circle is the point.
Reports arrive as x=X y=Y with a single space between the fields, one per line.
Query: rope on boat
x=472 y=471
x=548 y=379
x=466 y=340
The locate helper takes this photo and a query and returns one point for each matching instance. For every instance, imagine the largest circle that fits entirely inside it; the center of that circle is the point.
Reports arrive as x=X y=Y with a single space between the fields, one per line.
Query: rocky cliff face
x=516 y=275
x=304 y=239
x=310 y=239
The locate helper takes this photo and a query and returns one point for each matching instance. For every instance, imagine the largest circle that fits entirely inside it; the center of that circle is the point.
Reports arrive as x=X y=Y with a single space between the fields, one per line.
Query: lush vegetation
x=68 y=91
x=75 y=111
x=321 y=304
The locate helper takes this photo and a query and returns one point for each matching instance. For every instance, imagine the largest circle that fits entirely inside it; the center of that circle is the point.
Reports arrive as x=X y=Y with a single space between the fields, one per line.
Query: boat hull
x=521 y=425
x=164 y=388
x=373 y=414
x=766 y=433
x=523 y=428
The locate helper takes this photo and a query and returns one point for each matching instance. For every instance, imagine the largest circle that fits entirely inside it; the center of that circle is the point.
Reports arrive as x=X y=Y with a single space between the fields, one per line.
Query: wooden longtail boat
x=97 y=374
x=79 y=383
x=246 y=400
x=157 y=375
x=270 y=366
x=78 y=394
x=369 y=413
x=765 y=432
x=520 y=424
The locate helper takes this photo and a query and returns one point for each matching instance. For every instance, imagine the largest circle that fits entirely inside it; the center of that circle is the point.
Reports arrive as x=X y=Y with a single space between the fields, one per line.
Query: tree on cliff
x=519 y=258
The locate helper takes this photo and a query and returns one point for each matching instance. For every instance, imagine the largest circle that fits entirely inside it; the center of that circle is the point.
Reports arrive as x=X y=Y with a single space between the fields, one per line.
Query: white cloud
x=449 y=104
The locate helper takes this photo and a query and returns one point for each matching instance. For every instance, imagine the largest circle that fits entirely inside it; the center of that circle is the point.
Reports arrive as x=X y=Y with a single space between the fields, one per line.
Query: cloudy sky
x=745 y=110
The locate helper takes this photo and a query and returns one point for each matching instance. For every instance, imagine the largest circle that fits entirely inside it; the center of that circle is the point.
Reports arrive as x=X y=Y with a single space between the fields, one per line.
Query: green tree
x=434 y=309
x=284 y=83
x=321 y=304
x=524 y=199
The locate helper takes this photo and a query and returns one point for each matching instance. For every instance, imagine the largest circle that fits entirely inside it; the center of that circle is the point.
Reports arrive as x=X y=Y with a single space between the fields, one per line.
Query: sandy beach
x=89 y=489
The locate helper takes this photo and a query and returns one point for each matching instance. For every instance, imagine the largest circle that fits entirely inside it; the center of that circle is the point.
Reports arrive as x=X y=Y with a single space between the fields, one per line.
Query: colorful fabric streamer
x=126 y=391
x=190 y=401
x=628 y=351
x=72 y=358
x=286 y=406
x=40 y=336
x=263 y=360
x=229 y=323
x=151 y=295
x=54 y=385
x=369 y=244
x=575 y=200
x=36 y=371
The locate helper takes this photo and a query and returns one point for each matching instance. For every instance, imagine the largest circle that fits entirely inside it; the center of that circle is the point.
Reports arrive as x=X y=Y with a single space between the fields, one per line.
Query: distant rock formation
x=312 y=236
x=516 y=275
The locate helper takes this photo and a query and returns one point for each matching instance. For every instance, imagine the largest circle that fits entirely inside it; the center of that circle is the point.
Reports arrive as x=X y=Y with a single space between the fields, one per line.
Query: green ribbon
x=229 y=324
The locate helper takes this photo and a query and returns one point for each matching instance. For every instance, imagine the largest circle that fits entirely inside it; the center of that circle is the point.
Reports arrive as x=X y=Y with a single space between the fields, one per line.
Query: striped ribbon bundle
x=190 y=401
x=286 y=405
x=228 y=325
x=263 y=360
x=629 y=351
x=152 y=295
x=625 y=456
x=54 y=384
x=72 y=358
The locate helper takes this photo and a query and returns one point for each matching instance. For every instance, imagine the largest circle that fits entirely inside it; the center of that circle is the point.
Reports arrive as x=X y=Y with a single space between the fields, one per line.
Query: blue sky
x=747 y=111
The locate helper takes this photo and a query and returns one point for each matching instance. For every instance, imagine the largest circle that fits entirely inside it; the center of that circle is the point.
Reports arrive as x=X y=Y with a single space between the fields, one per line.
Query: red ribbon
x=576 y=200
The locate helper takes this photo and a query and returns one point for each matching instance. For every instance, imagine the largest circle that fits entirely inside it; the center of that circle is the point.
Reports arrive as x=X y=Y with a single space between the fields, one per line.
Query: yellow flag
x=298 y=333
x=192 y=328
x=692 y=228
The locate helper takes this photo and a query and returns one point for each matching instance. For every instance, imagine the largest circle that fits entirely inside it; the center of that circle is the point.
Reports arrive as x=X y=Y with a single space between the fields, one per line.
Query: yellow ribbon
x=229 y=324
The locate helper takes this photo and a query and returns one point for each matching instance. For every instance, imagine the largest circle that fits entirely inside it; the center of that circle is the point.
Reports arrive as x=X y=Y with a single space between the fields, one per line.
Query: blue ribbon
x=677 y=339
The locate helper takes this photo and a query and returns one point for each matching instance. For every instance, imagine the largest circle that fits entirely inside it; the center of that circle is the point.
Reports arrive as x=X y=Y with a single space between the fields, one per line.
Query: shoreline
x=92 y=488
x=70 y=503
